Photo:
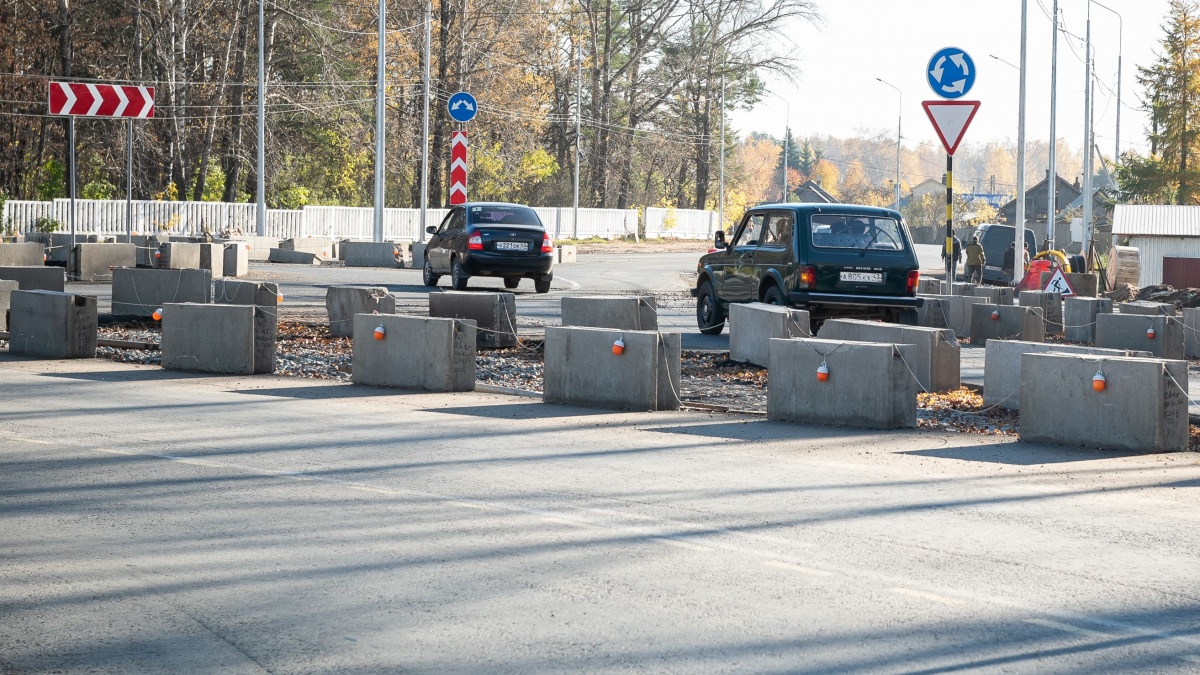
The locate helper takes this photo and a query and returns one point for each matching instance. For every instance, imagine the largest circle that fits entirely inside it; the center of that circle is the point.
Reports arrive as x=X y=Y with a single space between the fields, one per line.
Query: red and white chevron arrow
x=101 y=100
x=458 y=167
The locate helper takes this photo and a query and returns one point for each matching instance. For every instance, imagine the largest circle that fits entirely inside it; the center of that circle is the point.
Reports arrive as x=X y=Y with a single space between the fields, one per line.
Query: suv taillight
x=808 y=276
x=911 y=287
x=547 y=244
x=475 y=243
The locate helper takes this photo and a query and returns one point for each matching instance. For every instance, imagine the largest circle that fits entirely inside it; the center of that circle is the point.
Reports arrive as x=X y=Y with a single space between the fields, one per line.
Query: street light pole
x=1087 y=138
x=1019 y=257
x=261 y=166
x=380 y=108
x=1120 y=54
x=1052 y=182
x=425 y=125
x=721 y=160
x=899 y=122
x=787 y=129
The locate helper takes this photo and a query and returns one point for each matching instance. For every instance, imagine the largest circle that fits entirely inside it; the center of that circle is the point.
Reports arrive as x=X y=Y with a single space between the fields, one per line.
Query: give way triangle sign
x=950 y=120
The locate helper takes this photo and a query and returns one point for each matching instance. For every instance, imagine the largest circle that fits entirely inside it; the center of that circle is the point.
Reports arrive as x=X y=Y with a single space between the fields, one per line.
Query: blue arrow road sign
x=951 y=73
x=462 y=107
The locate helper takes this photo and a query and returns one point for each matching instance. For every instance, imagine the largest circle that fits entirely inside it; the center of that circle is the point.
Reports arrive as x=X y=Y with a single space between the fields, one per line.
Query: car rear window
x=503 y=215
x=857 y=232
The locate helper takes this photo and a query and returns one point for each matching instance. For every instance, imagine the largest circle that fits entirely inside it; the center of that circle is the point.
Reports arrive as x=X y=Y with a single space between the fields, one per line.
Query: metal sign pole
x=425 y=126
x=71 y=186
x=129 y=180
x=950 y=224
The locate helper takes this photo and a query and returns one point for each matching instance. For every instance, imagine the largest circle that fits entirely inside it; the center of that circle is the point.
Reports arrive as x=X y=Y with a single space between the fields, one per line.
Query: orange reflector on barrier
x=1099 y=381
x=157 y=315
x=380 y=332
x=995 y=315
x=822 y=372
x=619 y=347
x=1150 y=333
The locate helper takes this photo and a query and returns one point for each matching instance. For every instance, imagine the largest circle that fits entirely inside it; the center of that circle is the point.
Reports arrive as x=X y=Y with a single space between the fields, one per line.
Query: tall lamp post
x=899 y=121
x=1120 y=51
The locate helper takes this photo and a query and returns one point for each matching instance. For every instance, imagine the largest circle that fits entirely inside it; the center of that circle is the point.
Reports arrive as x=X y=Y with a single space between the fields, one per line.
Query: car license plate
x=511 y=246
x=863 y=277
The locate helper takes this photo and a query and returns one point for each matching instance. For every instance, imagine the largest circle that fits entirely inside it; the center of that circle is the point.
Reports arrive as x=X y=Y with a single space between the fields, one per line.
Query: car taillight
x=475 y=243
x=911 y=287
x=808 y=276
x=547 y=245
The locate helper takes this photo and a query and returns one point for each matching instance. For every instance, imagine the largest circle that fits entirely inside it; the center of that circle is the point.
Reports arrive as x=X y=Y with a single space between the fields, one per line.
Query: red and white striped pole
x=458 y=167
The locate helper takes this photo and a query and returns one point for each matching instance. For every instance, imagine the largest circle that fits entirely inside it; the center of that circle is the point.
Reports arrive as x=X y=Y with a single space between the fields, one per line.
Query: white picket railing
x=101 y=216
x=681 y=223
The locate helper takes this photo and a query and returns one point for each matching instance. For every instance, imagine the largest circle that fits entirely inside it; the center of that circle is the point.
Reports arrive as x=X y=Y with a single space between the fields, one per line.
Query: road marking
x=568 y=521
x=1068 y=628
x=925 y=595
x=797 y=568
x=574 y=286
x=679 y=543
x=35 y=441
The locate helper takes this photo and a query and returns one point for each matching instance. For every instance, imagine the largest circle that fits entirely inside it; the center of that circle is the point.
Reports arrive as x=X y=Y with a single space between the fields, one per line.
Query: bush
x=47 y=224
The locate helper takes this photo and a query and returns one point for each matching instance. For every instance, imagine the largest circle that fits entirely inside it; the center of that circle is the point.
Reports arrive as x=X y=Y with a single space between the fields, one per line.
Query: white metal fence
x=102 y=216
x=681 y=223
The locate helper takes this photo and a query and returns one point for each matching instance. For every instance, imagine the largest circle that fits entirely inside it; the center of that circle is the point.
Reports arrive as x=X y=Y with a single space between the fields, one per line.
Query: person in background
x=976 y=259
x=956 y=253
x=1025 y=264
x=1010 y=257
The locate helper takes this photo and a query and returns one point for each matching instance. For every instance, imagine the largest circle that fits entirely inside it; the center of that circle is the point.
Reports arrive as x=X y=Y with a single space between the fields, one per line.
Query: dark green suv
x=835 y=260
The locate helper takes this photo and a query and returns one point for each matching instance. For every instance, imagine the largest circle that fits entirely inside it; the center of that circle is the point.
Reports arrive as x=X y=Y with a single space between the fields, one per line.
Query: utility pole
x=1087 y=141
x=425 y=125
x=380 y=108
x=1052 y=182
x=721 y=160
x=1019 y=240
x=578 y=137
x=899 y=122
x=787 y=130
x=261 y=179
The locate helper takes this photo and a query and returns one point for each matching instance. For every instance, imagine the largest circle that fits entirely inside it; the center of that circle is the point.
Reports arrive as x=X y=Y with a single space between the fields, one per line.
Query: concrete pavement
x=161 y=522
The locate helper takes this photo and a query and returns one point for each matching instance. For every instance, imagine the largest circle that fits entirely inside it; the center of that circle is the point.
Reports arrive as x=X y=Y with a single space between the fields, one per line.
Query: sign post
x=101 y=100
x=951 y=74
x=462 y=108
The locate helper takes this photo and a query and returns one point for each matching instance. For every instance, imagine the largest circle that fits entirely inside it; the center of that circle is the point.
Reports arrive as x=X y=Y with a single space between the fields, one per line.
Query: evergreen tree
x=1172 y=86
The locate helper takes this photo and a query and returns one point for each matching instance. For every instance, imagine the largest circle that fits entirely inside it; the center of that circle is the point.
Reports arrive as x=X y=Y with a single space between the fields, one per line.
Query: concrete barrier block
x=58 y=249
x=494 y=314
x=935 y=358
x=1009 y=323
x=959 y=289
x=581 y=368
x=321 y=247
x=95 y=262
x=235 y=260
x=1051 y=306
x=1144 y=308
x=208 y=338
x=1143 y=408
x=416 y=352
x=929 y=286
x=996 y=295
x=264 y=296
x=751 y=325
x=1130 y=331
x=369 y=254
x=1079 y=317
x=22 y=255
x=566 y=254
x=39 y=278
x=175 y=255
x=280 y=255
x=953 y=312
x=6 y=289
x=258 y=248
x=52 y=325
x=869 y=384
x=343 y=302
x=1191 y=332
x=1002 y=367
x=145 y=246
x=418 y=255
x=138 y=292
x=212 y=258
x=619 y=312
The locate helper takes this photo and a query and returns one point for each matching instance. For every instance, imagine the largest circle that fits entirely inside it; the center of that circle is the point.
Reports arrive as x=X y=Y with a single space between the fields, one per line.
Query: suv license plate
x=511 y=246
x=863 y=277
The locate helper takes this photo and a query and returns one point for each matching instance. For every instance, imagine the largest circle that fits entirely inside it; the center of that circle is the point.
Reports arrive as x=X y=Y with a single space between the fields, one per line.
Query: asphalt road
x=158 y=522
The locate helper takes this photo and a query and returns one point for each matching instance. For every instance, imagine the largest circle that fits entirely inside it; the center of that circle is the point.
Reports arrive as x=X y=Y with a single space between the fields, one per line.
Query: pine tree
x=1172 y=86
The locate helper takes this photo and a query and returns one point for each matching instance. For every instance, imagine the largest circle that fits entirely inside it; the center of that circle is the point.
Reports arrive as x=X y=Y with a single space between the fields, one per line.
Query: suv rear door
x=738 y=276
x=838 y=250
x=775 y=247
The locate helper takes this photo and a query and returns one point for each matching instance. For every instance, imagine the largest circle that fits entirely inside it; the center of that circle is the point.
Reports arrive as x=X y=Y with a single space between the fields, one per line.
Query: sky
x=834 y=91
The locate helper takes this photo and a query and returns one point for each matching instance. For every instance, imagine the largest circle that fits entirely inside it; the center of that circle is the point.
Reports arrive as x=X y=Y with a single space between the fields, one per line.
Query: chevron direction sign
x=458 y=167
x=101 y=100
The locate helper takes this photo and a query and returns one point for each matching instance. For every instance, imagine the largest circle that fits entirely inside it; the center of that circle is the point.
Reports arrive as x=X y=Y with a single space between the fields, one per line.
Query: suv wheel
x=774 y=296
x=542 y=284
x=709 y=316
x=458 y=276
x=512 y=282
x=427 y=275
